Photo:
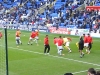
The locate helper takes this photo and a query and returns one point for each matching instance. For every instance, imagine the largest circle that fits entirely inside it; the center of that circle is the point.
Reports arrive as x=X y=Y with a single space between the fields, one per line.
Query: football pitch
x=30 y=59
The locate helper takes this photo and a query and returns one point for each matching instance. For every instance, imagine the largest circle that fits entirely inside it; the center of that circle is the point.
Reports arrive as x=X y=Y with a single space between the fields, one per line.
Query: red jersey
x=46 y=41
x=89 y=39
x=0 y=34
x=55 y=40
x=33 y=34
x=60 y=42
x=85 y=39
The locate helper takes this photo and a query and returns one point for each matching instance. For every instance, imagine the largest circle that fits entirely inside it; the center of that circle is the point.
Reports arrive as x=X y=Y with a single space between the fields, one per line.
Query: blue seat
x=87 y=26
x=0 y=0
x=80 y=19
x=28 y=4
x=62 y=24
x=54 y=15
x=70 y=26
x=7 y=6
x=42 y=16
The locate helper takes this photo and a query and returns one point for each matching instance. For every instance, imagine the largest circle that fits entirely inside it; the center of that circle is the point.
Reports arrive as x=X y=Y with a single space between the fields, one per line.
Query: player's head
x=54 y=37
x=46 y=36
x=83 y=34
x=88 y=34
x=81 y=37
x=33 y=30
x=18 y=29
x=91 y=71
x=36 y=30
x=98 y=73
x=68 y=74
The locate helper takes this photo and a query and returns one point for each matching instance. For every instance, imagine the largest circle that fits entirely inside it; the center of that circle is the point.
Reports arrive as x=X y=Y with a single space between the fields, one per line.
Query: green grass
x=30 y=60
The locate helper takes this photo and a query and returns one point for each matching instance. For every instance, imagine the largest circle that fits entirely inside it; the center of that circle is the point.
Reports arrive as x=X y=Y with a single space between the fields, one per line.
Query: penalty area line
x=55 y=56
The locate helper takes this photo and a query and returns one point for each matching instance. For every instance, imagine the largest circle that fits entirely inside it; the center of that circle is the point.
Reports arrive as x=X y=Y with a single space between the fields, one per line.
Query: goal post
x=6 y=50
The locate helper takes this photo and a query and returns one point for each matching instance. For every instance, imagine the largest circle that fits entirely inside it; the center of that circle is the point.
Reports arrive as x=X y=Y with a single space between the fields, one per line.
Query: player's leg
x=89 y=48
x=69 y=49
x=81 y=51
x=48 y=49
x=17 y=41
x=37 y=38
x=86 y=47
x=67 y=46
x=45 y=48
x=30 y=41
x=60 y=50
x=20 y=41
x=57 y=49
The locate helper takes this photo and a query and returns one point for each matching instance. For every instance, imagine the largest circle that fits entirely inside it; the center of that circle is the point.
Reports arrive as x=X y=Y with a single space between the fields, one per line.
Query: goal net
x=3 y=64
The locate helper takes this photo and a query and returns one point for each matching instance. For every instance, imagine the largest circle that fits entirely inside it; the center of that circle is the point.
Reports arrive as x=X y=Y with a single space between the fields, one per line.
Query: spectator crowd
x=63 y=13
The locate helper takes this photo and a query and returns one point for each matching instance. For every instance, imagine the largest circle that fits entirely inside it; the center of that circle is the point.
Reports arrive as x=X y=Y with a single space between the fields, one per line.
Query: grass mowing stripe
x=56 y=56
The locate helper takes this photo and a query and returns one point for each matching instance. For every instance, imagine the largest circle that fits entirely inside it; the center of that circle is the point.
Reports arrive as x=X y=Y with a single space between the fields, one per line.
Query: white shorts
x=30 y=38
x=67 y=43
x=17 y=38
x=60 y=47
x=37 y=37
x=86 y=44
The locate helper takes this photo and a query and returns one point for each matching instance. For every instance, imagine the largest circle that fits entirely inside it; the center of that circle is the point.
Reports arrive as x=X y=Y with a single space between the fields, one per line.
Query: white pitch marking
x=57 y=56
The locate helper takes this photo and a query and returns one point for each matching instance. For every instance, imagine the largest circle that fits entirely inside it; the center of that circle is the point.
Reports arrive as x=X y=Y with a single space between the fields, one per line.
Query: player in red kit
x=37 y=36
x=60 y=45
x=90 y=41
x=46 y=44
x=85 y=42
x=0 y=35
x=32 y=36
x=56 y=43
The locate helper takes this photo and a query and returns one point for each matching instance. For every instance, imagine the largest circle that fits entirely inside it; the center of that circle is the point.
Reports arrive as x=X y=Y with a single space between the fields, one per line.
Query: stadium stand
x=63 y=14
